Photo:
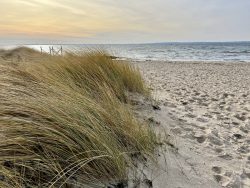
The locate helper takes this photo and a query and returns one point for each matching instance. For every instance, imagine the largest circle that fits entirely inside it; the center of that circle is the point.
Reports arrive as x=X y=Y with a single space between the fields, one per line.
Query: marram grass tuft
x=63 y=120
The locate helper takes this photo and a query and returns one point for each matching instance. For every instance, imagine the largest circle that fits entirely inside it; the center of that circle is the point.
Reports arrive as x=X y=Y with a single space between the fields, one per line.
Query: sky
x=123 y=21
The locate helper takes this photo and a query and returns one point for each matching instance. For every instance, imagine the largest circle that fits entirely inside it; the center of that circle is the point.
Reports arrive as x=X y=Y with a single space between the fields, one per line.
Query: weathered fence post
x=53 y=51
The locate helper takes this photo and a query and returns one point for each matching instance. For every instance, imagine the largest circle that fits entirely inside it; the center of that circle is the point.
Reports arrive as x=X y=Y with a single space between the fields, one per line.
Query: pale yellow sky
x=125 y=21
x=63 y=18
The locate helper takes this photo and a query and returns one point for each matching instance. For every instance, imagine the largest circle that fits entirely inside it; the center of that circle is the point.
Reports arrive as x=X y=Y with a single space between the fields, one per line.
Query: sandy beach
x=201 y=110
x=206 y=107
x=124 y=94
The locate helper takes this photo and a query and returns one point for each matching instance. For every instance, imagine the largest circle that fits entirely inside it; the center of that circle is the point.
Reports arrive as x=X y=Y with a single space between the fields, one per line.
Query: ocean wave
x=180 y=51
x=237 y=52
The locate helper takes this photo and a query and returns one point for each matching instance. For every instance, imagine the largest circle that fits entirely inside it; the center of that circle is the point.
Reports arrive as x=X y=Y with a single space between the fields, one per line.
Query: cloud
x=63 y=5
x=125 y=21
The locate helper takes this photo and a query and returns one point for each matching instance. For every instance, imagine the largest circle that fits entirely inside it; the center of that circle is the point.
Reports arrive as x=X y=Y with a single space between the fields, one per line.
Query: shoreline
x=189 y=61
x=187 y=52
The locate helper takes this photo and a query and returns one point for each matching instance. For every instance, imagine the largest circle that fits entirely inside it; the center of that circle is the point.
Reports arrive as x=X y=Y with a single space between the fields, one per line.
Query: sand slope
x=207 y=107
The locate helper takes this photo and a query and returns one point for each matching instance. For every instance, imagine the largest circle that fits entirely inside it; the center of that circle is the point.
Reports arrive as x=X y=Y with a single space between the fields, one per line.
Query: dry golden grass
x=63 y=120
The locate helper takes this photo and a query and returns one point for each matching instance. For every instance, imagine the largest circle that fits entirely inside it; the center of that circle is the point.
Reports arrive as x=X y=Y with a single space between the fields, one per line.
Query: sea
x=170 y=51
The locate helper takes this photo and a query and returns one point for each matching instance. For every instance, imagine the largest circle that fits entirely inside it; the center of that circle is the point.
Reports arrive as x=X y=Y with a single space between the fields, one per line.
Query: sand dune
x=203 y=109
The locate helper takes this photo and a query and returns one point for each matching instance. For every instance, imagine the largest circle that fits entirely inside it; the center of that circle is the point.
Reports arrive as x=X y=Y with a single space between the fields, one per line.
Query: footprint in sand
x=235 y=123
x=244 y=149
x=200 y=137
x=240 y=117
x=218 y=177
x=214 y=140
x=169 y=104
x=189 y=115
x=203 y=120
x=218 y=150
x=237 y=136
x=208 y=115
x=227 y=108
x=217 y=169
x=223 y=180
x=248 y=158
x=176 y=130
x=226 y=156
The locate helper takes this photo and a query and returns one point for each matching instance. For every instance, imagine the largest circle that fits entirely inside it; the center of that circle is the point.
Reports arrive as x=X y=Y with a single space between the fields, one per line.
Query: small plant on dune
x=63 y=121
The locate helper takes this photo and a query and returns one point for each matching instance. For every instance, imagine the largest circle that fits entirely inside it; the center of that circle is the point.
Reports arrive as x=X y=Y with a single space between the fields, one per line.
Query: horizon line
x=136 y=43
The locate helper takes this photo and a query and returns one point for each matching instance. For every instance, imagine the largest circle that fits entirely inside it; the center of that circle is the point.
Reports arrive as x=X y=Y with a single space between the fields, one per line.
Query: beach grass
x=65 y=120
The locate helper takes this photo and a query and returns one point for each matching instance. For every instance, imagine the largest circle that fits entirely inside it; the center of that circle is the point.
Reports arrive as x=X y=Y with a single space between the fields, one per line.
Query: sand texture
x=206 y=106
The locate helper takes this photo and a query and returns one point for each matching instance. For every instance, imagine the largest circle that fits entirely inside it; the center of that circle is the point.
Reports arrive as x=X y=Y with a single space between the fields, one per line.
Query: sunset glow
x=118 y=21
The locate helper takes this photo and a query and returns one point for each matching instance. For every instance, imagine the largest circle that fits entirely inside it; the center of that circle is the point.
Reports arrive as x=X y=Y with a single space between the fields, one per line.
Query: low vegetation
x=64 y=120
